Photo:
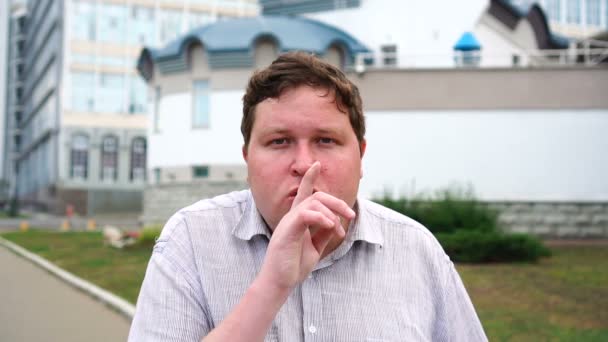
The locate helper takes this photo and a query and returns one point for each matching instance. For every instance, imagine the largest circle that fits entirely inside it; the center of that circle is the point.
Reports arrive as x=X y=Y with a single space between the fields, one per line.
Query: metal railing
x=585 y=53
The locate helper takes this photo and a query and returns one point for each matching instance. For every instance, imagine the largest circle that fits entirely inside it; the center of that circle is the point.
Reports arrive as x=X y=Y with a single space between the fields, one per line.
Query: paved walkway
x=36 y=306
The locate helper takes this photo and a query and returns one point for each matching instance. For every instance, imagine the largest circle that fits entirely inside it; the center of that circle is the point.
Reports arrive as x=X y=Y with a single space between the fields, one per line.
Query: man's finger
x=336 y=205
x=306 y=184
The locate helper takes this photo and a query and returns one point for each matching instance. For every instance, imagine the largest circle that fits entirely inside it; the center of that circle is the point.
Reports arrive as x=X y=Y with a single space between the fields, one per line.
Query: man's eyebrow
x=274 y=130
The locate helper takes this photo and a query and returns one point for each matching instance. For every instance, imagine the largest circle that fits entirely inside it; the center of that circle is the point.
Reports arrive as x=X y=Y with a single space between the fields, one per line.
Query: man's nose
x=303 y=160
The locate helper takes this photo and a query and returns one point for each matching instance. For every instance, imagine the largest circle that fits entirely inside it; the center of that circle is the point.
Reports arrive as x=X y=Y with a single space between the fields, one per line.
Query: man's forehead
x=323 y=92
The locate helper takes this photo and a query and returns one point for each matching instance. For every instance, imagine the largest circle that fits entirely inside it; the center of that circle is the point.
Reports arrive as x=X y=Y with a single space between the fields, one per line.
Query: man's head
x=297 y=111
x=294 y=69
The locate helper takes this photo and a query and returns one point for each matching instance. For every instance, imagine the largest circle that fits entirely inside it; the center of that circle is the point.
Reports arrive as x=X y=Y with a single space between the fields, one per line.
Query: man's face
x=289 y=134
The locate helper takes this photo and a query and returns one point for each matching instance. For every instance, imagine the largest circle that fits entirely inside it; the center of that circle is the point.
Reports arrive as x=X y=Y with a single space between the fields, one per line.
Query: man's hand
x=296 y=246
x=302 y=235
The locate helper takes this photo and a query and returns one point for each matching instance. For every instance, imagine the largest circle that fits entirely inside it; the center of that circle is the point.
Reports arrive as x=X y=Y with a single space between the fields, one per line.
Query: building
x=200 y=78
x=4 y=41
x=527 y=135
x=78 y=113
x=423 y=34
x=573 y=18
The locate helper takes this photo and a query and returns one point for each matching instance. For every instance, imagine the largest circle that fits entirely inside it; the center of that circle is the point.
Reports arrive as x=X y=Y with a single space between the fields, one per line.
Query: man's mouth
x=294 y=192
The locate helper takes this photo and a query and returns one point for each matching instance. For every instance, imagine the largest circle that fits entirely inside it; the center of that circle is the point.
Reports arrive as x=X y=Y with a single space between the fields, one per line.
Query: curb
x=116 y=303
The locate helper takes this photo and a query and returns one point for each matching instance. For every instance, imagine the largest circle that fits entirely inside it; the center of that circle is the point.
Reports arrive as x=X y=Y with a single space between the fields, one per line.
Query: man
x=299 y=257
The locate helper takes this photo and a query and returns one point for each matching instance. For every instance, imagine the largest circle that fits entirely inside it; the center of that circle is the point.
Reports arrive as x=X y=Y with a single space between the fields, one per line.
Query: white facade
x=179 y=145
x=424 y=32
x=512 y=155
x=523 y=155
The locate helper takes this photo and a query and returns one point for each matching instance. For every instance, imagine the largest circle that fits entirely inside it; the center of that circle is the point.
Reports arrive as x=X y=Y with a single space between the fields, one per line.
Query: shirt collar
x=363 y=228
x=251 y=222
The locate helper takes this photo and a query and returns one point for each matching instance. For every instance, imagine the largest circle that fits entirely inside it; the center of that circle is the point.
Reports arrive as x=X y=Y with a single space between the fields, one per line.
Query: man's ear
x=362 y=146
x=244 y=151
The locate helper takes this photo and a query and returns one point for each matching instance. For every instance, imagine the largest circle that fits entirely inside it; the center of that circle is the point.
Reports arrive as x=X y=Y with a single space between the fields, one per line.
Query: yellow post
x=65 y=225
x=24 y=226
x=91 y=225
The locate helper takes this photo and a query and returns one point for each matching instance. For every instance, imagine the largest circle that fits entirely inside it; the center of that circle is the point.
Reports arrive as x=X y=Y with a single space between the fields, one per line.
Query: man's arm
x=292 y=254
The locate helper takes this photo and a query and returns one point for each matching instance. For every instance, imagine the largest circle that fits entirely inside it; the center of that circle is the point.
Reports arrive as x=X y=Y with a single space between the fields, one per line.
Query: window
x=83 y=91
x=200 y=104
x=157 y=95
x=198 y=19
x=138 y=160
x=554 y=10
x=573 y=13
x=137 y=95
x=200 y=171
x=113 y=23
x=157 y=175
x=142 y=28
x=79 y=157
x=389 y=55
x=593 y=12
x=110 y=93
x=170 y=26
x=109 y=159
x=83 y=20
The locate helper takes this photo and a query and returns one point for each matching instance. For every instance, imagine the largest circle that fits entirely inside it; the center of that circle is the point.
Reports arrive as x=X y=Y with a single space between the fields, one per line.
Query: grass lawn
x=83 y=253
x=563 y=298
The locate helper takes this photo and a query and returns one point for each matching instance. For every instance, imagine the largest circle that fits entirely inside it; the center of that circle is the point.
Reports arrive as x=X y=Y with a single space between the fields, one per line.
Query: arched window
x=138 y=160
x=79 y=157
x=109 y=158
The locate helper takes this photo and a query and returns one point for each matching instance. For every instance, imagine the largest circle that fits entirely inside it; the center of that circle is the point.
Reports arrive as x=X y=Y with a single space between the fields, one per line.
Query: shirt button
x=312 y=329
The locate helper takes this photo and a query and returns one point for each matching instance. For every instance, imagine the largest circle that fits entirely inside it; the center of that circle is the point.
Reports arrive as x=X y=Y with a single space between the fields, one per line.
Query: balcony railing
x=586 y=53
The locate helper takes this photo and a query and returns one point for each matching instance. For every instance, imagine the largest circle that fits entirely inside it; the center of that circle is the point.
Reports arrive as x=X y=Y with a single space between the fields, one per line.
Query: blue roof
x=467 y=42
x=290 y=33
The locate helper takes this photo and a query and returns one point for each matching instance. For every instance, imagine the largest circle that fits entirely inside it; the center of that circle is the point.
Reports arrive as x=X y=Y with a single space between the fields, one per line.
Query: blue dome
x=230 y=43
x=467 y=42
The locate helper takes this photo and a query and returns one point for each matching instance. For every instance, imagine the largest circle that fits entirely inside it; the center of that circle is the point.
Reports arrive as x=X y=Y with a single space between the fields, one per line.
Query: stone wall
x=555 y=219
x=162 y=201
x=545 y=219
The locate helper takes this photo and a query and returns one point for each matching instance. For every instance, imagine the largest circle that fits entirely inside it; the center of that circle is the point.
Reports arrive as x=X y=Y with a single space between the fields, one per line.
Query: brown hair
x=294 y=69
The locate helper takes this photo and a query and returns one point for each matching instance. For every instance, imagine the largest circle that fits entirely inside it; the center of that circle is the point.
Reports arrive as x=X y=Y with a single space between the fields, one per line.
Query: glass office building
x=77 y=110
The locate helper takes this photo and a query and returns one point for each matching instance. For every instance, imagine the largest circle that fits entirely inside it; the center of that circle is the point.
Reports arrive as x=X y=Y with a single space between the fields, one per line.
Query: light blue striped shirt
x=389 y=280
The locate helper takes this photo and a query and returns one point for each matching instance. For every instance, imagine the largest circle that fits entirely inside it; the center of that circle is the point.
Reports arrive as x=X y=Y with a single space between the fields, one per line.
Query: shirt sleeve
x=459 y=321
x=171 y=304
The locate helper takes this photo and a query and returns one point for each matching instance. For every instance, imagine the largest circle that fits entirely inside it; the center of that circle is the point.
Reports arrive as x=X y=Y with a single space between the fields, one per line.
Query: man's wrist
x=269 y=290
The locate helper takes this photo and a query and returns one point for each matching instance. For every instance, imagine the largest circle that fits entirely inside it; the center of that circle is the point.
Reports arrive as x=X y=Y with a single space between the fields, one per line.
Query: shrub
x=477 y=246
x=467 y=229
x=149 y=235
x=449 y=210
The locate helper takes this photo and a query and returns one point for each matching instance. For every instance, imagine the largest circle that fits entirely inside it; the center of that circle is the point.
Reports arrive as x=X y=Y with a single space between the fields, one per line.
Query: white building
x=524 y=137
x=573 y=18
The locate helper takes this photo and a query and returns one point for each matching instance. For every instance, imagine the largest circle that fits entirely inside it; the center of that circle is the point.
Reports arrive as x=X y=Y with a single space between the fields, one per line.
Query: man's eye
x=326 y=140
x=280 y=141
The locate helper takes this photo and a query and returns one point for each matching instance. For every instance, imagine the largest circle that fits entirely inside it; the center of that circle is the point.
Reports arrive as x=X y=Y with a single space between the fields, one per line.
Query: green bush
x=449 y=210
x=149 y=235
x=467 y=229
x=485 y=247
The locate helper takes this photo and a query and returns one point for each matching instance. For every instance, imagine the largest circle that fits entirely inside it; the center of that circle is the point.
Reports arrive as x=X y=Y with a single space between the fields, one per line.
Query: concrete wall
x=487 y=89
x=162 y=201
x=555 y=219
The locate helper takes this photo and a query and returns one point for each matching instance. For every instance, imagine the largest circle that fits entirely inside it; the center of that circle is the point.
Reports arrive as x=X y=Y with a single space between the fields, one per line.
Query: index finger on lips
x=336 y=205
x=306 y=184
